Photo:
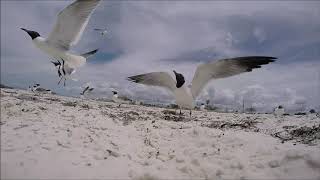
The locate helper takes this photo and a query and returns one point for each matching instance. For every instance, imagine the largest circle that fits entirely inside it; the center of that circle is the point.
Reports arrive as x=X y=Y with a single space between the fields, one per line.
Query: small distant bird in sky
x=186 y=95
x=103 y=32
x=69 y=27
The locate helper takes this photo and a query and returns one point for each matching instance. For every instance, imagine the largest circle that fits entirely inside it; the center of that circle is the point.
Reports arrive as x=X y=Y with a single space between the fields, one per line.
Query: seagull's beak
x=32 y=34
x=23 y=29
x=55 y=63
x=29 y=32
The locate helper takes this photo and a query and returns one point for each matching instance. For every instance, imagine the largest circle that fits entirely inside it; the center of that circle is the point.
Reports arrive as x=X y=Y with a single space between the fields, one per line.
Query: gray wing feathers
x=225 y=68
x=161 y=79
x=71 y=23
x=88 y=54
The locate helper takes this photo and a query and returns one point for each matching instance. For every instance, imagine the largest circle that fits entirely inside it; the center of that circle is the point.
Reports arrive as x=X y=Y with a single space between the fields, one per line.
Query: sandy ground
x=50 y=136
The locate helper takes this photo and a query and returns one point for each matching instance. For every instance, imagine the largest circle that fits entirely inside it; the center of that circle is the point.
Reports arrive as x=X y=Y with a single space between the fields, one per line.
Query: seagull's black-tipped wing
x=250 y=62
x=225 y=68
x=161 y=79
x=85 y=89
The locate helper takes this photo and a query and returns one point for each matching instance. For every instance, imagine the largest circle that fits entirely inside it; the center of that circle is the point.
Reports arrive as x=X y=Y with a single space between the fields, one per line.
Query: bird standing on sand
x=120 y=99
x=66 y=33
x=202 y=107
x=186 y=96
x=279 y=111
x=37 y=88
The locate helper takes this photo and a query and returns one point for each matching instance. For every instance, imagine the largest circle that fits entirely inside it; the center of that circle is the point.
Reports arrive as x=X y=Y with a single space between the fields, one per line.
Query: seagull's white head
x=32 y=34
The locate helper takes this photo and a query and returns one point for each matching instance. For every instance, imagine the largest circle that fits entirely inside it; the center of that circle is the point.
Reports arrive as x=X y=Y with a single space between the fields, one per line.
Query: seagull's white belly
x=115 y=99
x=74 y=61
x=278 y=111
x=184 y=98
x=118 y=100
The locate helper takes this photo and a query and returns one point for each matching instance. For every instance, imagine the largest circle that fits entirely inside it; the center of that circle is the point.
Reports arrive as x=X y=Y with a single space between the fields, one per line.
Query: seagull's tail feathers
x=75 y=61
x=88 y=54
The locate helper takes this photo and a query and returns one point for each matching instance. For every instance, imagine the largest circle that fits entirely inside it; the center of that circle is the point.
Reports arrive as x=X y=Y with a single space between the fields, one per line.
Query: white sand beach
x=46 y=136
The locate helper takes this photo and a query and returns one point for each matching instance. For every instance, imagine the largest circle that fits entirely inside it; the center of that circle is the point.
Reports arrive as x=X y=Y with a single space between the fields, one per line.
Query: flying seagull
x=103 y=32
x=68 y=29
x=120 y=99
x=185 y=96
x=86 y=90
x=65 y=71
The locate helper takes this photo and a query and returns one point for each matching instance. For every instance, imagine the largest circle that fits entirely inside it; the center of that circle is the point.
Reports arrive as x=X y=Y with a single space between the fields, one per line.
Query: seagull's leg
x=60 y=80
x=190 y=112
x=64 y=82
x=180 y=112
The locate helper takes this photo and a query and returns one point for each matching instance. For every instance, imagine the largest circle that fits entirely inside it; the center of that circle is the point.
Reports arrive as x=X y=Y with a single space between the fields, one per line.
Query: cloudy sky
x=146 y=36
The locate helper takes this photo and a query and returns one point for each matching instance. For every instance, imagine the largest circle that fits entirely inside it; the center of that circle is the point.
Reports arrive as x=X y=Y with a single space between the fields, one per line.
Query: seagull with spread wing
x=185 y=96
x=69 y=27
x=87 y=89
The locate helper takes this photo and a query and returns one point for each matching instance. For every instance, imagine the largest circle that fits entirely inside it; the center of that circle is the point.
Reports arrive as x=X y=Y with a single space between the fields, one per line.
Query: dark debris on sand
x=176 y=117
x=168 y=112
x=28 y=98
x=304 y=135
x=243 y=124
x=128 y=117
x=69 y=103
x=85 y=106
x=53 y=99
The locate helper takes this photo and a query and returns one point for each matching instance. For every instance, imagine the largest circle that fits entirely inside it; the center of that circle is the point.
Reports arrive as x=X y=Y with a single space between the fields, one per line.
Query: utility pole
x=242 y=104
